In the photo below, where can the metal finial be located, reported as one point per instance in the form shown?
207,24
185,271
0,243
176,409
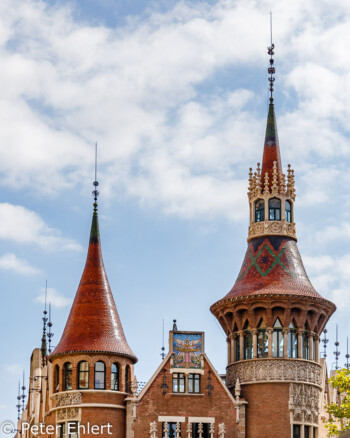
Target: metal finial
50,334
271,70
347,353
163,347
95,183
18,405
174,326
325,342
43,339
23,396
336,352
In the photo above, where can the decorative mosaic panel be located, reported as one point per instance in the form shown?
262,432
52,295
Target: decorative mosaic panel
187,350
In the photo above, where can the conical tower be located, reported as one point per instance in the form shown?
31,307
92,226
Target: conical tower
92,365
273,316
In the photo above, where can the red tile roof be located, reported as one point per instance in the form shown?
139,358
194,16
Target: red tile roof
93,324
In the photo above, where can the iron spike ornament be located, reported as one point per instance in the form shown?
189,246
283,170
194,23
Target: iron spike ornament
336,352
347,356
271,70
43,339
325,342
50,334
18,405
95,192
23,396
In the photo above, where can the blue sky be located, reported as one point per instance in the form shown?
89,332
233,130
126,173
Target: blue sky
176,95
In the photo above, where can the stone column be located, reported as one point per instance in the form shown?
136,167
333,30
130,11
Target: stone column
241,345
233,350
300,344
255,344
228,340
317,347
285,342
269,340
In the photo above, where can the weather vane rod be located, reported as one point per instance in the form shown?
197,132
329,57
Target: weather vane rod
271,70
95,183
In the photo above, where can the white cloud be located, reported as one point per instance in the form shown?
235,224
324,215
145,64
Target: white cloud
53,297
145,91
11,262
25,226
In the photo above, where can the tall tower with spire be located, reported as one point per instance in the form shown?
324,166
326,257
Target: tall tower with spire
273,317
92,365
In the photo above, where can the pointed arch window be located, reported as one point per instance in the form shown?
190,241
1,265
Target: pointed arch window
57,379
288,211
100,375
292,341
259,210
262,340
115,377
274,209
237,348
67,376
127,378
277,339
83,375
305,339
248,342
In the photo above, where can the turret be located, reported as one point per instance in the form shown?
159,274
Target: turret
273,316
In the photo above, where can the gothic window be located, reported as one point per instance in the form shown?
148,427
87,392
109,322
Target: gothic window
169,430
259,210
288,211
307,432
296,430
305,345
179,382
67,376
196,427
127,379
248,342
194,383
237,348
83,375
57,378
262,340
313,349
100,375
72,429
292,341
115,377
62,427
274,209
277,339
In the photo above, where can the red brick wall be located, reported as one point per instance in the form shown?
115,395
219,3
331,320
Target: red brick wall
267,414
154,403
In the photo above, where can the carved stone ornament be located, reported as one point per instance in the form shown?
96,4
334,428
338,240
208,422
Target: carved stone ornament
270,228
68,399
304,402
265,370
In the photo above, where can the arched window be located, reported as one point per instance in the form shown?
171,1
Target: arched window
277,339
67,376
262,340
292,341
100,375
115,377
237,348
259,210
274,209
83,375
288,211
57,379
248,342
127,377
305,345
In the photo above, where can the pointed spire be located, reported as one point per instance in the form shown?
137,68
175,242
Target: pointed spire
93,324
271,145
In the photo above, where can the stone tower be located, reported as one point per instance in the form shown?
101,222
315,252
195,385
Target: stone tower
92,365
273,317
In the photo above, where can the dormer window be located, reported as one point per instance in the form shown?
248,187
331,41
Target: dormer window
274,209
288,211
259,210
